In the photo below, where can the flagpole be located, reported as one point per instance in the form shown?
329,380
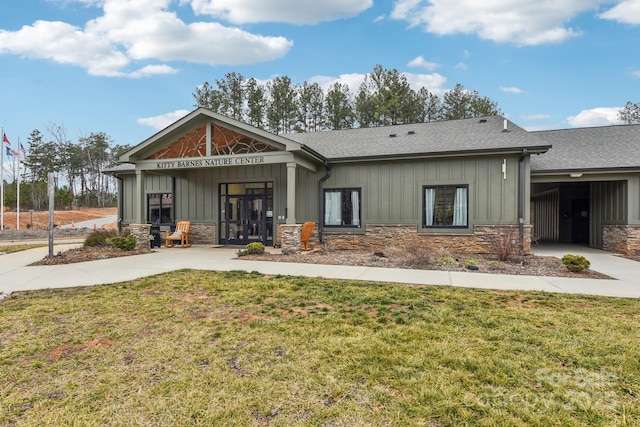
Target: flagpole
2,183
18,187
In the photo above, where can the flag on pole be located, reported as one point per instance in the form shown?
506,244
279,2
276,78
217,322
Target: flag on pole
6,140
24,152
9,151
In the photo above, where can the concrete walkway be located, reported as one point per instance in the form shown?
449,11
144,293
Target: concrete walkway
16,276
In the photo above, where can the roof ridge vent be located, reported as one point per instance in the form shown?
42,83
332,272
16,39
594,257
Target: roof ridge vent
482,121
392,135
411,132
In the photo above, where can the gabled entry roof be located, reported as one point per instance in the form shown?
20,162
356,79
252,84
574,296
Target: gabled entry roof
193,123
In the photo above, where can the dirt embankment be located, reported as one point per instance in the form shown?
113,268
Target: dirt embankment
35,226
40,219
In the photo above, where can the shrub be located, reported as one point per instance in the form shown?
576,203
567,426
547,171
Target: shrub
575,263
471,261
254,248
503,245
447,260
99,238
124,243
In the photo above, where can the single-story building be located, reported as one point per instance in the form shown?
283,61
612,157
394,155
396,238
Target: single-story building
466,185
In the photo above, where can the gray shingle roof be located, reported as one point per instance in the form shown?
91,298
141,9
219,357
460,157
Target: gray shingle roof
433,138
595,148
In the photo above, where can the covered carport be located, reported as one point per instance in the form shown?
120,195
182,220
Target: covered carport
586,188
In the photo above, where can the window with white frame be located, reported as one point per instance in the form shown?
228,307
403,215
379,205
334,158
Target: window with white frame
446,206
342,207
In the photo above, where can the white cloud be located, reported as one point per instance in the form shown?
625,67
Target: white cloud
535,116
635,73
419,61
289,11
147,31
379,18
352,80
511,89
432,82
596,117
627,12
162,121
461,66
151,70
65,44
523,22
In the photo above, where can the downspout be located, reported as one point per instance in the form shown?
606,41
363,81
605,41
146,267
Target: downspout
120,202
321,199
521,193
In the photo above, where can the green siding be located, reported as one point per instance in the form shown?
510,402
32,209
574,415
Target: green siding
392,190
609,206
307,195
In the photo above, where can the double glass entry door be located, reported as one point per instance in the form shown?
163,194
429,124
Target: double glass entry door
246,218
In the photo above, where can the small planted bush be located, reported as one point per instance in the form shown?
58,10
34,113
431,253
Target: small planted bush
575,263
447,260
99,238
254,248
124,243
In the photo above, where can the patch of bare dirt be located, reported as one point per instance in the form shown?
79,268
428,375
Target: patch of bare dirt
88,254
529,265
40,219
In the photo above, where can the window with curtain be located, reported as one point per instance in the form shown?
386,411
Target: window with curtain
160,208
342,207
446,206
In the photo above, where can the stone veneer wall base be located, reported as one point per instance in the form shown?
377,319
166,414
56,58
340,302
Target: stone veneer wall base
621,239
486,239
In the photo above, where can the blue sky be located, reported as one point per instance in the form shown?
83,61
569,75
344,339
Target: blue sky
129,67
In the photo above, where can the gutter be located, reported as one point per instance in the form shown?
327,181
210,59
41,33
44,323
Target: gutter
120,202
321,199
438,154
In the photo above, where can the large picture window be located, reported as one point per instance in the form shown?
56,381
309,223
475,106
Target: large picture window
160,208
342,207
446,206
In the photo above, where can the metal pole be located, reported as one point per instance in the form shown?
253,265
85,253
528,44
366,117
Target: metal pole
18,189
2,180
50,188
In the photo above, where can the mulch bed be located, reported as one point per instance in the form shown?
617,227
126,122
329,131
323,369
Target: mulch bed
529,265
88,254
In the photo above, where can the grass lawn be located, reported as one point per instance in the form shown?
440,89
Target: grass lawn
195,348
8,249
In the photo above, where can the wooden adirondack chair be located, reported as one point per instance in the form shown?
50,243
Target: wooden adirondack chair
305,235
180,234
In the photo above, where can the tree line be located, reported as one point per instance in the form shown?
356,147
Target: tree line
279,106
77,169
384,98
630,113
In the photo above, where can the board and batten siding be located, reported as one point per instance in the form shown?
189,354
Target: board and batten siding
128,198
608,206
196,193
392,190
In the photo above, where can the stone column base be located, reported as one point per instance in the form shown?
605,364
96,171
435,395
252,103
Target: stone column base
142,232
621,239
